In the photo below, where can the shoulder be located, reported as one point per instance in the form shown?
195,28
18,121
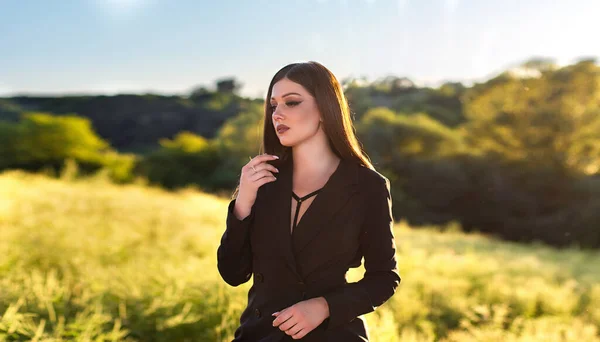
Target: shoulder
370,177
372,182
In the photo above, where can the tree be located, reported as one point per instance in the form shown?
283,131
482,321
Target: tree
550,121
542,133
540,64
389,135
48,138
199,93
43,140
412,150
187,142
186,159
240,136
228,85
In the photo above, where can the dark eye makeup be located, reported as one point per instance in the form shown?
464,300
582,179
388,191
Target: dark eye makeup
289,104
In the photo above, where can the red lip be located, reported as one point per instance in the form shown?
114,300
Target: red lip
282,128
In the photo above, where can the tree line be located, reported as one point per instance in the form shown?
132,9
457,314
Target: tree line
517,156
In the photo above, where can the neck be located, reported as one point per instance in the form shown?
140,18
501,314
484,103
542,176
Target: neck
313,158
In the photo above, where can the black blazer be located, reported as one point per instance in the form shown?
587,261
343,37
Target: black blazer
349,218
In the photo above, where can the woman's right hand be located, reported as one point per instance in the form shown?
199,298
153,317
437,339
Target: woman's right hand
254,174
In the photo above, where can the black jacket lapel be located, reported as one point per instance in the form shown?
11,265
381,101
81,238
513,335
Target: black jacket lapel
333,196
336,192
280,206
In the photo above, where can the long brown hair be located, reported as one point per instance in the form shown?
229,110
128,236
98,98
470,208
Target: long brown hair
332,104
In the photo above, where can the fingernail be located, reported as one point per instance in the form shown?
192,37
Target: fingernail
276,169
276,157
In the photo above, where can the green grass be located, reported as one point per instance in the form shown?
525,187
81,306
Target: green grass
92,261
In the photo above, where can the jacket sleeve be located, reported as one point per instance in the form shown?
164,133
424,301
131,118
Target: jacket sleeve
381,277
234,255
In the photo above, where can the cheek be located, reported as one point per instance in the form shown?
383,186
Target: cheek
309,115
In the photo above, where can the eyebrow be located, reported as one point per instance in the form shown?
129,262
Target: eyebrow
288,94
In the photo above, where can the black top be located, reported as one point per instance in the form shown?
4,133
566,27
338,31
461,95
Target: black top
300,200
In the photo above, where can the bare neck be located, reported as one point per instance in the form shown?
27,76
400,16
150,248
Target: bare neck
313,163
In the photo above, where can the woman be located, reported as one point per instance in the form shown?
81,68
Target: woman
306,211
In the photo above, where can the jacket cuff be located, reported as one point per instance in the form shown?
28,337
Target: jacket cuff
342,308
336,311
237,230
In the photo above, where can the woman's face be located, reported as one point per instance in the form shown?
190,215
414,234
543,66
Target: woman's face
295,108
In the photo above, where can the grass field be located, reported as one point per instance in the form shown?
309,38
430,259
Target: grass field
91,261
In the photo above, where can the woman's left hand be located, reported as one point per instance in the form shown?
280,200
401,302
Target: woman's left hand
302,317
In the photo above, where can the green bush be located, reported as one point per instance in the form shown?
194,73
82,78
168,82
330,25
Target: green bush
43,141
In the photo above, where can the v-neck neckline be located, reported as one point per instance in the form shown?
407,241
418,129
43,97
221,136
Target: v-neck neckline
299,201
336,193
292,218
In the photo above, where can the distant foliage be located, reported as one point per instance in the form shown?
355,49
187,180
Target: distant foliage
402,95
42,140
136,123
9,111
516,156
551,120
228,85
187,159
210,164
524,165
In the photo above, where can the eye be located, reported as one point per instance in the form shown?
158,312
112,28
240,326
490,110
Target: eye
292,103
288,104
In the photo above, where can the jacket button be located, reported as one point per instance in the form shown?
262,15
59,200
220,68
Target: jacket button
259,277
257,312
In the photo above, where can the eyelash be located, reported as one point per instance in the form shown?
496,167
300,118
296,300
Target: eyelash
289,104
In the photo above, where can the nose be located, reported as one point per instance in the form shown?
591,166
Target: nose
277,114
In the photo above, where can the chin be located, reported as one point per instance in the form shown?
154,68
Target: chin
286,143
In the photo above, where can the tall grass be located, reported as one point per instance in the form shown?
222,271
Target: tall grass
92,261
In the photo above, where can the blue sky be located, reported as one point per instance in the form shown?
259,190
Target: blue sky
170,46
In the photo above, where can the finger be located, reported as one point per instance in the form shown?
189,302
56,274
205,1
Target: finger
282,317
280,320
261,174
265,180
287,325
300,334
294,329
266,166
261,159
281,311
